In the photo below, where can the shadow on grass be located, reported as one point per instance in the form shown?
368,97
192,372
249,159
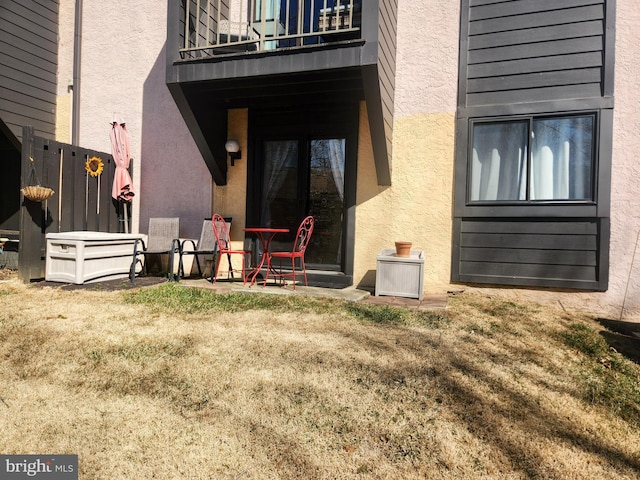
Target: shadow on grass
484,402
624,337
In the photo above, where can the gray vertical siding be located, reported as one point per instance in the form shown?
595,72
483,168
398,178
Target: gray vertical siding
28,65
79,202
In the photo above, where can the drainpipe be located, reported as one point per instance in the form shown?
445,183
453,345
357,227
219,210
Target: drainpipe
77,45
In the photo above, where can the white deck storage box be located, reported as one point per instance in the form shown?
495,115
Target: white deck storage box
400,276
84,257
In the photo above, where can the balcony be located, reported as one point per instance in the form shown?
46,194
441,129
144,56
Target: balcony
228,54
223,27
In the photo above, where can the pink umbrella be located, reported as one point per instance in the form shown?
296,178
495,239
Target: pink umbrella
122,183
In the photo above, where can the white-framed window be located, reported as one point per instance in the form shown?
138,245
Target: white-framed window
538,158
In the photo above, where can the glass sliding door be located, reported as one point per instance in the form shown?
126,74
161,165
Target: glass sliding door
326,200
303,177
280,184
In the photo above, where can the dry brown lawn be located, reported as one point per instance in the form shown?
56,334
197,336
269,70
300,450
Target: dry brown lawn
150,383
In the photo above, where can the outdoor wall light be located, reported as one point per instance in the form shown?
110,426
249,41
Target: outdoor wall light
233,149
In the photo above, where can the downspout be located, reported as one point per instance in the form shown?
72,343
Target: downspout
77,47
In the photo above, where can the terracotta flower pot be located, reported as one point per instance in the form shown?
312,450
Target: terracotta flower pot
403,249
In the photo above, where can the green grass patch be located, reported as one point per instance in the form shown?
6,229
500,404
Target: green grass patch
505,310
610,379
173,298
392,315
382,314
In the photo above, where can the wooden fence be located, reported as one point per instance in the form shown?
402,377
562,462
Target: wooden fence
81,202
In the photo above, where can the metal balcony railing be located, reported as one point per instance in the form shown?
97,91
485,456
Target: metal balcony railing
219,27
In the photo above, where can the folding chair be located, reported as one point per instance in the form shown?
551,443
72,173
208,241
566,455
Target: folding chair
163,238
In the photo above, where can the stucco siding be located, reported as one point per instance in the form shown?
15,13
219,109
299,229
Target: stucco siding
230,200
64,94
624,274
427,57
417,208
123,74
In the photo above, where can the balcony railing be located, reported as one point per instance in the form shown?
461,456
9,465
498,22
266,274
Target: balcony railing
221,27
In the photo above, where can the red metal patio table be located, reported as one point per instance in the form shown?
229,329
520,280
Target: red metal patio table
265,235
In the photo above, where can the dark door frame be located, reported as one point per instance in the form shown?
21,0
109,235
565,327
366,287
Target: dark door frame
306,122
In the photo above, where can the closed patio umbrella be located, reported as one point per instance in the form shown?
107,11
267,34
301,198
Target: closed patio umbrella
122,190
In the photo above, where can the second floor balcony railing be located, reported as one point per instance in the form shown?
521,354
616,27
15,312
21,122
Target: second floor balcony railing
221,27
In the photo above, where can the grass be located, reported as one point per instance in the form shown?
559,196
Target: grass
171,298
171,382
609,378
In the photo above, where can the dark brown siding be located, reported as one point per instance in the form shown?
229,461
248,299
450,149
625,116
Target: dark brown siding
28,65
379,84
524,57
387,65
523,51
553,253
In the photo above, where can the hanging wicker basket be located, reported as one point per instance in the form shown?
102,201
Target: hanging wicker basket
37,193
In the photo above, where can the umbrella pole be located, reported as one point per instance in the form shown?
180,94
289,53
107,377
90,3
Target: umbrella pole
126,217
98,200
86,197
60,191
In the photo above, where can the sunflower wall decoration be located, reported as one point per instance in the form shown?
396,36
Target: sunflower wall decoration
94,166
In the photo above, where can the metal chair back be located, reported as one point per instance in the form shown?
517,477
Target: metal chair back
220,229
303,235
221,232
162,238
207,241
162,232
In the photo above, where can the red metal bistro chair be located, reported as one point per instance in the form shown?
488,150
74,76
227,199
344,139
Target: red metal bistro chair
221,231
297,252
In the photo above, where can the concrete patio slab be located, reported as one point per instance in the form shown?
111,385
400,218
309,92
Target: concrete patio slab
350,293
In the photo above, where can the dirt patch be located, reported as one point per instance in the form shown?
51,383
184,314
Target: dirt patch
107,285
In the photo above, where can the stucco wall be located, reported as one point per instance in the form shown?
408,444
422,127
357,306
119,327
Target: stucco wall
64,89
123,74
230,200
417,207
624,285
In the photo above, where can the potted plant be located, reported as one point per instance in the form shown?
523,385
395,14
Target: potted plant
403,249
